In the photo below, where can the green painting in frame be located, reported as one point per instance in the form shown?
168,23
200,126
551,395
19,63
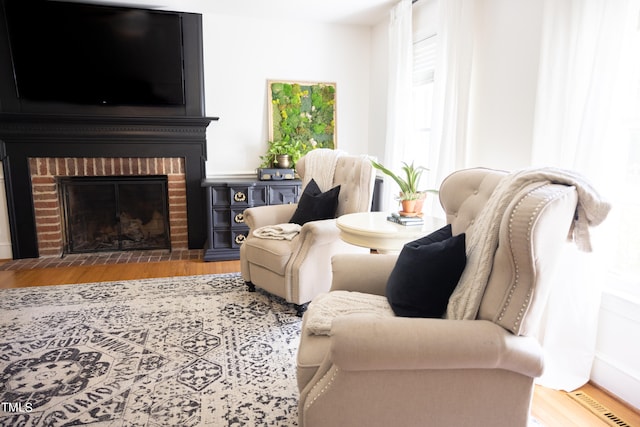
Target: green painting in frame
303,112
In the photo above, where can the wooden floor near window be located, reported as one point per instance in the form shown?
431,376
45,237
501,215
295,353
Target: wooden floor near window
550,407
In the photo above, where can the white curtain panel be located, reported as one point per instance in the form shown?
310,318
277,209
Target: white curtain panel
452,80
581,67
399,114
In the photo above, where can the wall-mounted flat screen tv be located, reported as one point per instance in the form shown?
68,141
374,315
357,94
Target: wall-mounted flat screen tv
92,54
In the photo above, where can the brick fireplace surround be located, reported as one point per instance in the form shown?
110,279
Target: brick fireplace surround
36,148
46,199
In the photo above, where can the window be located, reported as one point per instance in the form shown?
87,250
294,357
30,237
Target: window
623,174
625,263
420,145
424,55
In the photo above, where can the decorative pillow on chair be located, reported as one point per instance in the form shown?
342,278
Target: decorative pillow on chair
426,273
315,205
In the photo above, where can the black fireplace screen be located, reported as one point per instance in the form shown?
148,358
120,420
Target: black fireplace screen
115,213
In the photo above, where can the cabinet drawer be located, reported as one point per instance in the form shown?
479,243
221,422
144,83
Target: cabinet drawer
258,196
283,194
221,218
225,218
229,239
238,237
236,218
239,195
221,239
220,195
243,195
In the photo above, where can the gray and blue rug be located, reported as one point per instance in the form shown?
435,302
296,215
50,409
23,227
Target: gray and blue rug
182,351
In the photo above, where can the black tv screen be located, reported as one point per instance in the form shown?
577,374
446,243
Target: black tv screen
95,55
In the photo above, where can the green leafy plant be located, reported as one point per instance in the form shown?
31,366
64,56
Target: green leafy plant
409,184
294,149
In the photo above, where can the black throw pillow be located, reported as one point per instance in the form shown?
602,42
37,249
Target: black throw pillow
315,205
426,273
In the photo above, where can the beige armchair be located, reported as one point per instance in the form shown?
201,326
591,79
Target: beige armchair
374,370
299,269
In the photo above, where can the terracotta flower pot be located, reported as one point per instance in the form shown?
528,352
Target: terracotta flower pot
409,206
420,202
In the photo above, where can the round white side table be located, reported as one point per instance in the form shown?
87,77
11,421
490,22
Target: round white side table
373,230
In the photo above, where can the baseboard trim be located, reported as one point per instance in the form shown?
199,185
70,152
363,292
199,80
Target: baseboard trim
616,381
5,251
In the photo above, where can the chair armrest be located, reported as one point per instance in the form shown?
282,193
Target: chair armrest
319,232
366,273
261,216
361,342
310,261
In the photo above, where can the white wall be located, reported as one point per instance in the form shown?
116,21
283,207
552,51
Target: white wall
242,54
616,366
505,72
5,235
378,88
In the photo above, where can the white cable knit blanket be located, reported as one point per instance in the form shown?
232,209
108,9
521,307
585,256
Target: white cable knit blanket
286,231
481,245
320,164
325,307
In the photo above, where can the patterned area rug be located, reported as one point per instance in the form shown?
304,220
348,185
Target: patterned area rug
183,351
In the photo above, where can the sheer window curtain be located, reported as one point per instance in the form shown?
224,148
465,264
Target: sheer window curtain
452,81
579,97
399,114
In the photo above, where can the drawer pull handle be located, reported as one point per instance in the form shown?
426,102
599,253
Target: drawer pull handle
240,238
239,218
239,196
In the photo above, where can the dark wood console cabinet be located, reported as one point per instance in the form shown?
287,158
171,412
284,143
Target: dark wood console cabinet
226,200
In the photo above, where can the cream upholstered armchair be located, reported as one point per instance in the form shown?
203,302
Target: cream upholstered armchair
378,369
300,268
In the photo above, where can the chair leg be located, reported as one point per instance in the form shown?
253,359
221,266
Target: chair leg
250,286
301,308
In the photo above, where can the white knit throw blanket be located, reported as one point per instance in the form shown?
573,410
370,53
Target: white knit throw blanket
327,306
286,231
482,244
320,164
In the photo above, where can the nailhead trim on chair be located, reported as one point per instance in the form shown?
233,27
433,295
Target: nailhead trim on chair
517,268
515,284
324,389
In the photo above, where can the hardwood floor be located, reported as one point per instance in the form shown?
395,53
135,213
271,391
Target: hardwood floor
551,407
110,272
555,408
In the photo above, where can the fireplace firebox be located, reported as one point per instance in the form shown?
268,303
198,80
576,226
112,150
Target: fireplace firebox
114,213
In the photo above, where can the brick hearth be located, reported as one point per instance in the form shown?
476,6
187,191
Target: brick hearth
48,214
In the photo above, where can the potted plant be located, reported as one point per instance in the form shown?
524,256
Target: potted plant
282,154
410,197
